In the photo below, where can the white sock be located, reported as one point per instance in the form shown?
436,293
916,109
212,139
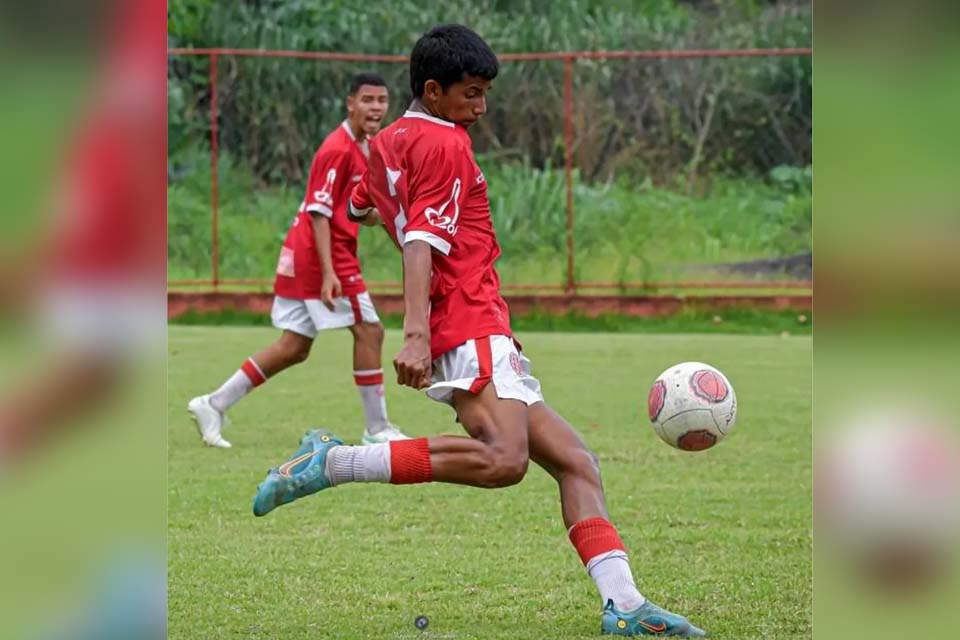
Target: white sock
611,572
372,398
236,386
370,463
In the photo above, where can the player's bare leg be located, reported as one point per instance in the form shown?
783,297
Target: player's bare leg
495,455
209,410
368,376
289,349
80,383
556,447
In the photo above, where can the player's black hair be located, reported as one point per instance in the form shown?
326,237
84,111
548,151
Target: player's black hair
446,53
360,79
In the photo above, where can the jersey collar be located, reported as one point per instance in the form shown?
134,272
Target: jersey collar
427,116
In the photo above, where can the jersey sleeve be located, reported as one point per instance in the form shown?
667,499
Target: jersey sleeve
328,184
437,195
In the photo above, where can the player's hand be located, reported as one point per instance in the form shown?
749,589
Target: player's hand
412,364
329,290
372,219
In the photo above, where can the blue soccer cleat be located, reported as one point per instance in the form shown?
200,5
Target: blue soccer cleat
303,474
648,620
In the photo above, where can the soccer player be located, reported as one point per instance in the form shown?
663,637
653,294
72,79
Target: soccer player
423,181
318,282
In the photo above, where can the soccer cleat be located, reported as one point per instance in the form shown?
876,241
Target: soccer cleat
647,620
303,474
209,421
390,433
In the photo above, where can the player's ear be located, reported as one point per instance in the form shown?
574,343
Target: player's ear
432,90
350,102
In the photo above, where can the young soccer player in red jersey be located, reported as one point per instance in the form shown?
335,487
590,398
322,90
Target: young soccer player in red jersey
318,283
424,184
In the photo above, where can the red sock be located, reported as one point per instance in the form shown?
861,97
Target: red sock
594,536
253,372
410,461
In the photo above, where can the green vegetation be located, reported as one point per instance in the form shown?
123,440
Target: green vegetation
660,119
623,233
752,321
722,536
680,164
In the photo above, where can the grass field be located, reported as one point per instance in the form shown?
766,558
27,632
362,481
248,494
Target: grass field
722,536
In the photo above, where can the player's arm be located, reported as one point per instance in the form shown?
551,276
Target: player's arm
331,287
436,196
413,364
326,185
361,208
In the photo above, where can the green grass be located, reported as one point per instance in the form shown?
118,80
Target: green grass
722,536
734,320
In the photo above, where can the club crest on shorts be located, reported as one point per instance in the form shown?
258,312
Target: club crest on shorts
515,363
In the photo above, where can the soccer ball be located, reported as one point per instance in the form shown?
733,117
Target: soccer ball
692,406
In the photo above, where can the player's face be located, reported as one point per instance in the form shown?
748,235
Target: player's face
367,108
464,102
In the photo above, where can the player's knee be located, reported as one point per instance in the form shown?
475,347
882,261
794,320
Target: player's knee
376,332
584,464
369,332
508,469
298,351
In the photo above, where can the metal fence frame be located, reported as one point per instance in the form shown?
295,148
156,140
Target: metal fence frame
568,58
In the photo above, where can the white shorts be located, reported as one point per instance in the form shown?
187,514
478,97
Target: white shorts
113,320
475,363
307,317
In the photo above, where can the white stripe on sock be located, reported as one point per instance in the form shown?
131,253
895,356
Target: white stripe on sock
257,367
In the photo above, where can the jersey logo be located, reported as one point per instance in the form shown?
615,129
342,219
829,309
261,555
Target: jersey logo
480,178
438,218
323,196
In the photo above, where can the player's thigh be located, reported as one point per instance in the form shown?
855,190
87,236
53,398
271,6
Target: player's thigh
498,422
555,445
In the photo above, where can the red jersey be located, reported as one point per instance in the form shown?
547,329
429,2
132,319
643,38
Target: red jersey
336,168
423,180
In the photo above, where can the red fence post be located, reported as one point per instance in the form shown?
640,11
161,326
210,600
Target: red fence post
214,175
568,162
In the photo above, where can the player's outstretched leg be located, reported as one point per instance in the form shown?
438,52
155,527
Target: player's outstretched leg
556,447
495,456
368,376
209,410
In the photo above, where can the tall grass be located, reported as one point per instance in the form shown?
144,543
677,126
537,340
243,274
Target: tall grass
624,231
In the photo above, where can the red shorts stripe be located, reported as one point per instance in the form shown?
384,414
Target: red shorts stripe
250,368
363,381
594,536
485,362
355,305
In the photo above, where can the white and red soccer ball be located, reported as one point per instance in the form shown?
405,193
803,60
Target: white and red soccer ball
692,406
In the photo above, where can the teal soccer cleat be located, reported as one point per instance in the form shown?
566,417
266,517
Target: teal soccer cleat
304,473
648,620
